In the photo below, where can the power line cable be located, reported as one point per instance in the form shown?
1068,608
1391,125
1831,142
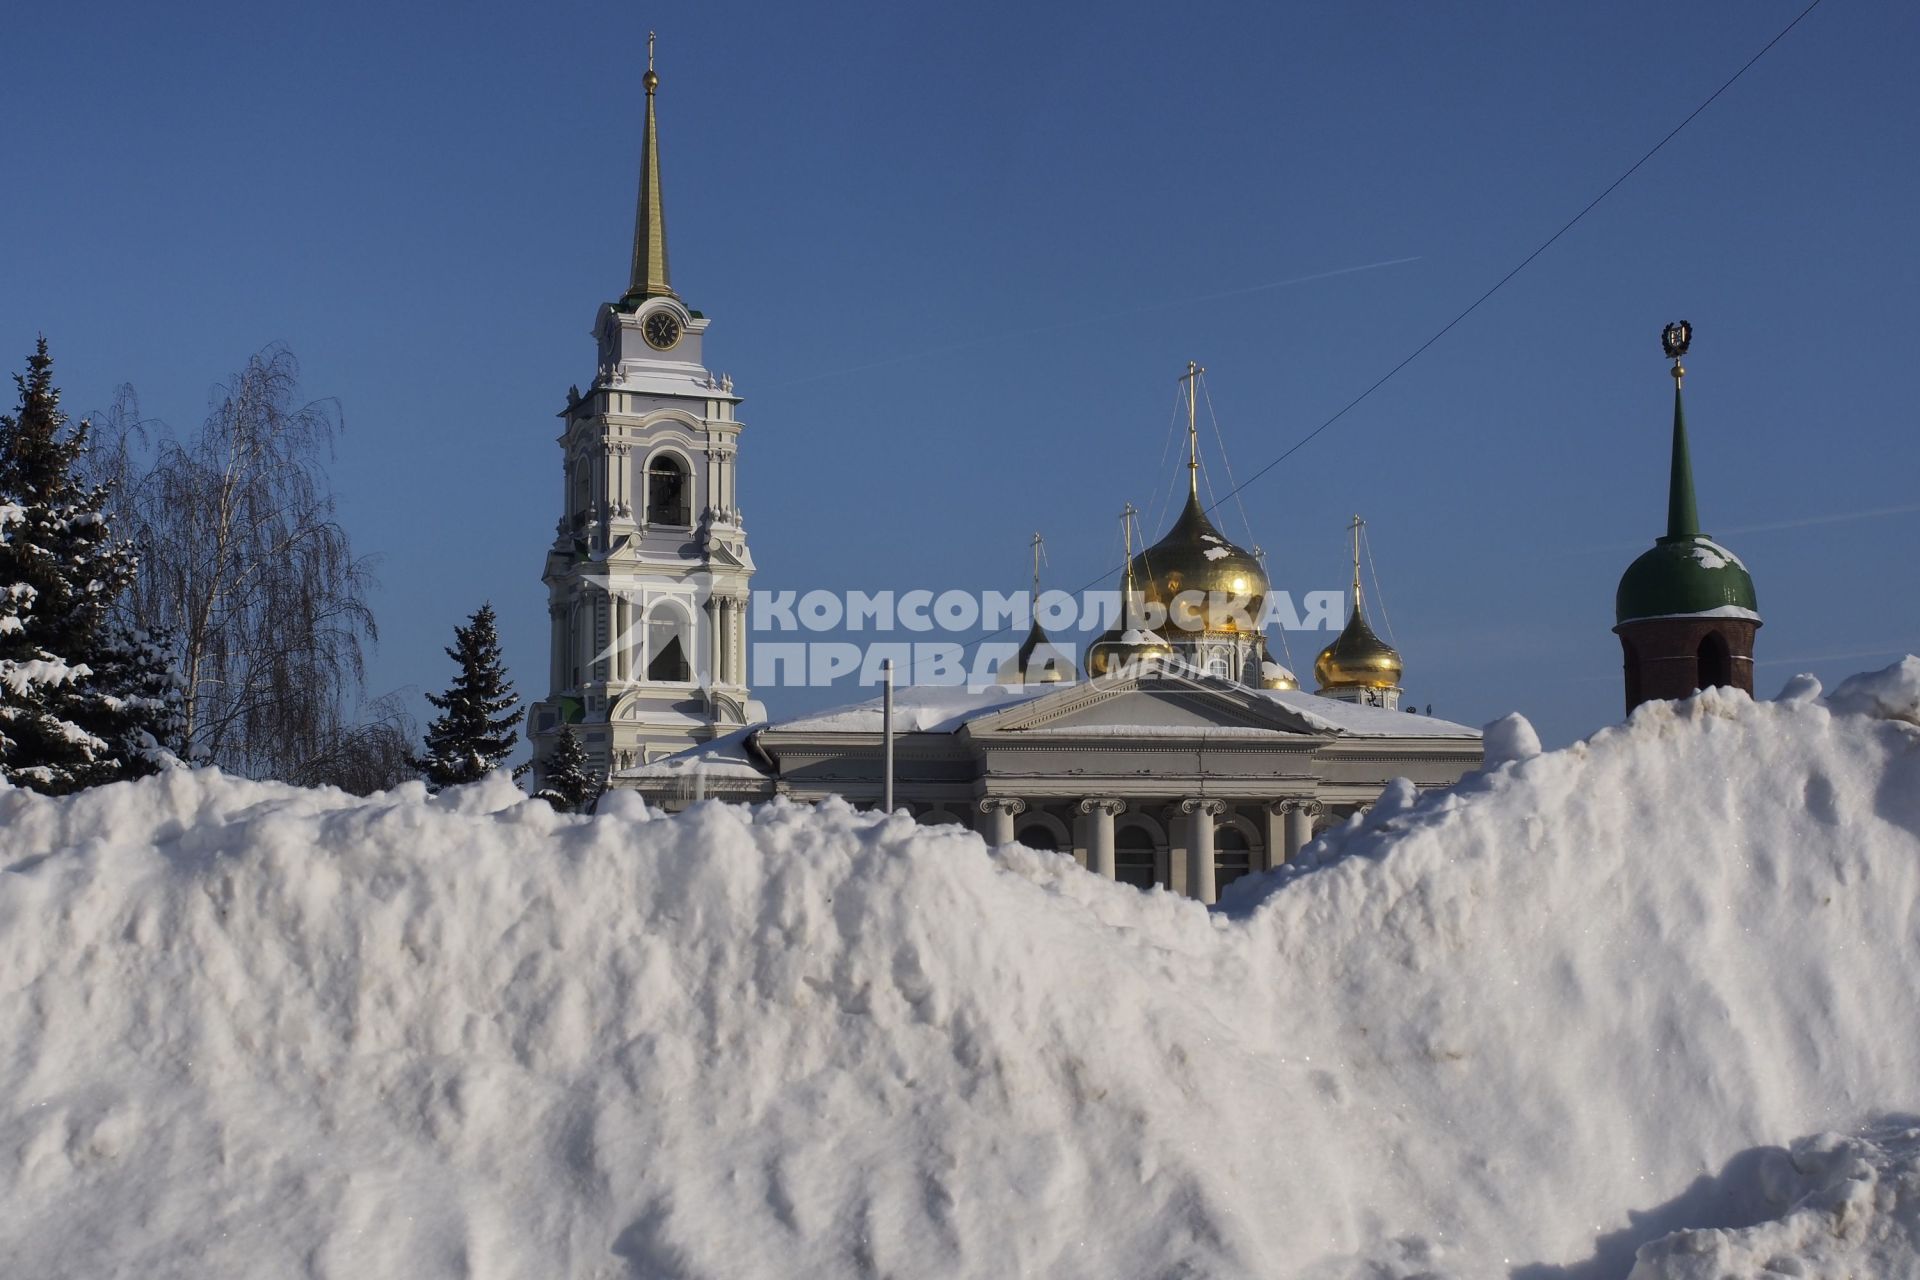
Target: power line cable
1497,285
1544,245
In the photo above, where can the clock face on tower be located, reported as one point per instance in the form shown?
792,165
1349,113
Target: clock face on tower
662,330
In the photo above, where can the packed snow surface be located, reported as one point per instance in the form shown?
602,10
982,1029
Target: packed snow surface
1653,994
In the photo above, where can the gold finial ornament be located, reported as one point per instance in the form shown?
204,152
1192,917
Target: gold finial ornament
1357,658
1674,340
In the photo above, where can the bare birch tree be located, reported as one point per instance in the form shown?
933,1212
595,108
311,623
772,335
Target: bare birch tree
244,565
375,754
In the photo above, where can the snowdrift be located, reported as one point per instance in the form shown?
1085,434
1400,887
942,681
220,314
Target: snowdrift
1523,1028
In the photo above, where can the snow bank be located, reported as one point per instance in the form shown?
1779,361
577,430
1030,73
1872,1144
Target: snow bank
1855,1214
1524,1028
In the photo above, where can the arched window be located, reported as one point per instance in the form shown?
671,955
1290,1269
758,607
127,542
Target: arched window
1133,857
669,642
581,497
1038,836
667,491
1714,662
1232,855
1631,656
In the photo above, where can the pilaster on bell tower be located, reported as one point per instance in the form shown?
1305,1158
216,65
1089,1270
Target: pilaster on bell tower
647,575
1685,611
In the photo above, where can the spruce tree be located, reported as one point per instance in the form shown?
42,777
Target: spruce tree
82,700
474,731
568,783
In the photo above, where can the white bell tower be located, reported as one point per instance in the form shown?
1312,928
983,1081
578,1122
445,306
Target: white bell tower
647,575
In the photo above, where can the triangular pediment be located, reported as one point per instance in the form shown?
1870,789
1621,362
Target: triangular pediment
1161,703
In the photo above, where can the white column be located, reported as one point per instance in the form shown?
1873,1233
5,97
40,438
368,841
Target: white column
602,634
1299,817
616,611
1100,813
603,491
715,606
1200,815
736,619
998,812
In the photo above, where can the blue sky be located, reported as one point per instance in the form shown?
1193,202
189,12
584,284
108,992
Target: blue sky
956,258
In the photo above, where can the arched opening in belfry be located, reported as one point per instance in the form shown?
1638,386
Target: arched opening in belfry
1713,662
667,491
669,640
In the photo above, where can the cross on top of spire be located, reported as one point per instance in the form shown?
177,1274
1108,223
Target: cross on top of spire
1192,378
1356,525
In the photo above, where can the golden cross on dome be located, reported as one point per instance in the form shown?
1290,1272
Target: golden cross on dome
1356,525
1192,378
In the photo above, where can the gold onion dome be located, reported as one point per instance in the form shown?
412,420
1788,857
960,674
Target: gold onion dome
1358,659
1230,585
1275,676
1122,648
1040,661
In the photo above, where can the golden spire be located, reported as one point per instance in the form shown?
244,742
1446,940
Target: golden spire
1126,534
1192,378
1039,554
650,276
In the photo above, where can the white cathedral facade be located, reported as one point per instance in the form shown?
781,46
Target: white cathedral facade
1182,757
647,577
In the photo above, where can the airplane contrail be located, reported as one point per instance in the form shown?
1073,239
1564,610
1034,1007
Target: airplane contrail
1096,319
1896,650
1838,517
1801,522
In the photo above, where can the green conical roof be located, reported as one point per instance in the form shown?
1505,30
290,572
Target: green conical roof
1686,572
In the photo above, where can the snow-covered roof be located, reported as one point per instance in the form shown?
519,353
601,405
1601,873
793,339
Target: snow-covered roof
919,709
1721,611
1365,722
724,757
945,708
